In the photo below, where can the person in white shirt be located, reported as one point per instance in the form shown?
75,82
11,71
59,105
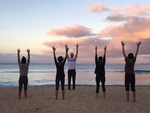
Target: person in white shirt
72,67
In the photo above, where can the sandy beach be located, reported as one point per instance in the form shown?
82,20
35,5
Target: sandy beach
81,100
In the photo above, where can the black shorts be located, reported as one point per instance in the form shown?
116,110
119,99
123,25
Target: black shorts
100,78
130,79
62,83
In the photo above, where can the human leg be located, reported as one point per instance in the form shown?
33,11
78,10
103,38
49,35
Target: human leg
97,88
133,87
74,78
69,79
20,87
25,86
104,90
127,86
57,87
62,87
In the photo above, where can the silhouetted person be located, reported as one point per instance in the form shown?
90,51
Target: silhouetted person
60,75
72,67
100,71
129,71
23,68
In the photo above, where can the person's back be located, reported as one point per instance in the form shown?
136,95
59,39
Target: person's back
23,68
60,75
60,68
100,66
129,66
129,71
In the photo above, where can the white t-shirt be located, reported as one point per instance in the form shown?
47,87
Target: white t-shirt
71,63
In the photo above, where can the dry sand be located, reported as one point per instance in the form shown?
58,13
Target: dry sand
81,100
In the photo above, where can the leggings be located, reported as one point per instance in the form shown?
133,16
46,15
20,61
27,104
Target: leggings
130,78
97,86
62,83
23,80
71,73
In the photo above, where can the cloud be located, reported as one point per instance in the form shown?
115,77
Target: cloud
134,29
74,31
100,8
86,45
136,10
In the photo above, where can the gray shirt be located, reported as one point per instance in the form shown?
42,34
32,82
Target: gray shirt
23,68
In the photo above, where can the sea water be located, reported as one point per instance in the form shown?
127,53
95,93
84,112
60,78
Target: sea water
41,75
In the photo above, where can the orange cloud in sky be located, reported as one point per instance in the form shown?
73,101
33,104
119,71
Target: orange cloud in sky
100,8
130,10
134,30
74,31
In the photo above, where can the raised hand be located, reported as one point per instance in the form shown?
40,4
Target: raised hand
95,47
66,47
18,50
105,48
54,48
77,45
123,43
139,43
28,50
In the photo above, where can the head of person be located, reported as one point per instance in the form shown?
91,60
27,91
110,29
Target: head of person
23,60
60,59
71,55
130,56
100,59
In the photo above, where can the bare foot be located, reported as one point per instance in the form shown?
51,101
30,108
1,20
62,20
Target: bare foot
25,95
19,95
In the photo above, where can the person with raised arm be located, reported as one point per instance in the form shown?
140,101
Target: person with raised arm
72,67
23,68
100,71
129,71
60,74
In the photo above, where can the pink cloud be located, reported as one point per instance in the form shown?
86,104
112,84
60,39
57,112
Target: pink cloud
100,8
135,30
135,9
74,31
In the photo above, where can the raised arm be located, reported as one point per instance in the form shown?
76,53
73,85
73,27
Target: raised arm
122,43
77,46
96,55
105,50
67,49
138,45
28,50
54,51
18,55
66,46
96,50
104,58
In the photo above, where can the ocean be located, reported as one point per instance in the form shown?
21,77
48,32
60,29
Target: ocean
41,75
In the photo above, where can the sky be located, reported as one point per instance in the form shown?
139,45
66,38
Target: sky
41,24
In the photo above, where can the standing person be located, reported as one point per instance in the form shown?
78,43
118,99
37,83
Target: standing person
72,67
100,71
23,67
129,71
60,75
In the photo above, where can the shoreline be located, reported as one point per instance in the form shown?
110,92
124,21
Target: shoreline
78,85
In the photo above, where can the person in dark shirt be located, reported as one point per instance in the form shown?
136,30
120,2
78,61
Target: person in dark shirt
100,71
60,75
129,71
